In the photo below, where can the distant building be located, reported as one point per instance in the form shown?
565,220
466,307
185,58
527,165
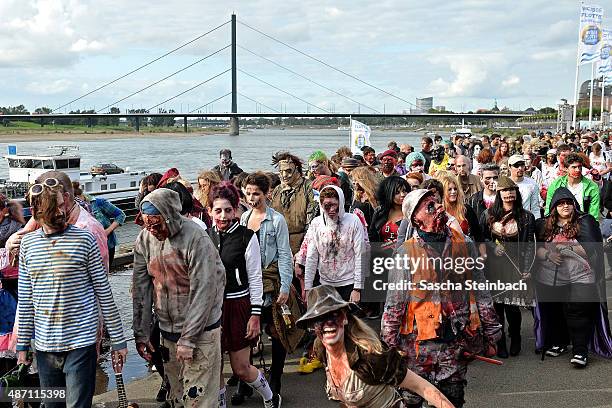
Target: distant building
423,105
440,108
584,95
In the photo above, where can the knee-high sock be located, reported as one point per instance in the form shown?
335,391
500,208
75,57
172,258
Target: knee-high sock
262,387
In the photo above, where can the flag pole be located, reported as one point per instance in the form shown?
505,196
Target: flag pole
577,72
603,90
591,98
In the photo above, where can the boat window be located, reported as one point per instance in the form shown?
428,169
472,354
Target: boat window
132,184
74,163
14,163
104,187
37,164
25,163
113,186
87,186
61,163
48,164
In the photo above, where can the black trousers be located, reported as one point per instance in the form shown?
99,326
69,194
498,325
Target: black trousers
566,320
453,390
513,315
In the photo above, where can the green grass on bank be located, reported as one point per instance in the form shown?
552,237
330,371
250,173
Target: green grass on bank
25,127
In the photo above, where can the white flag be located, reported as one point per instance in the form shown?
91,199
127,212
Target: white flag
605,54
360,136
590,34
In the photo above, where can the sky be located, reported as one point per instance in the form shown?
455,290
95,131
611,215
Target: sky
464,53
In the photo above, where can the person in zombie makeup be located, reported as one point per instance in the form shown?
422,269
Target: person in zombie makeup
178,270
437,330
388,161
584,190
226,168
293,198
439,160
361,371
240,253
318,165
415,163
469,183
276,262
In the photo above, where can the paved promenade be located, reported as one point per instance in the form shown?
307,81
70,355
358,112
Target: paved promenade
523,381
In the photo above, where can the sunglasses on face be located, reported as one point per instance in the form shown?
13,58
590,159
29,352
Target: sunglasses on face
38,188
154,224
517,165
565,204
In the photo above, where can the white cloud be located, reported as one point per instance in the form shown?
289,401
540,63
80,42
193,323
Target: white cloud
82,45
48,88
511,81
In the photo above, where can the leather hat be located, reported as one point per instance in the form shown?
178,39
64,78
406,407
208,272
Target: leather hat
322,300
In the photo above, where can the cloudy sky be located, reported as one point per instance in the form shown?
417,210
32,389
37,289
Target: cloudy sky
463,53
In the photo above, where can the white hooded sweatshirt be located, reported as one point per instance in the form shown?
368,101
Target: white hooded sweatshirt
336,249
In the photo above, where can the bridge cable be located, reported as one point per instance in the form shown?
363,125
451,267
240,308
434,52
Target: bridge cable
327,65
306,78
190,89
283,91
253,100
142,66
213,101
163,79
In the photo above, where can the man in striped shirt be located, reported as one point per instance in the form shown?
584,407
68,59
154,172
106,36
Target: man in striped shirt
62,280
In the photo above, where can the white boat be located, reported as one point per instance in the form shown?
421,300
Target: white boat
25,169
464,131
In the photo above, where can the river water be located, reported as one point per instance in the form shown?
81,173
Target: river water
252,150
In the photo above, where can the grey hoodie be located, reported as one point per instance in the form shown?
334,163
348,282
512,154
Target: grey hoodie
182,276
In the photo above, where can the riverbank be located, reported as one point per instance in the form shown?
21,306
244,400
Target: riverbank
28,136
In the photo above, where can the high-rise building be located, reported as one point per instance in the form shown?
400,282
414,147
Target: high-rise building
423,105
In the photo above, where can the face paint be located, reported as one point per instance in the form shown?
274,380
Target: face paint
287,172
331,207
452,193
254,196
430,215
388,164
476,151
316,168
157,226
329,328
222,213
417,166
575,170
226,160
508,195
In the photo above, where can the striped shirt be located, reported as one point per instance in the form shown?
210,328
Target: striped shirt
61,282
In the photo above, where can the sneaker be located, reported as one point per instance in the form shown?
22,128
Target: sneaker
162,394
556,351
579,360
309,366
277,401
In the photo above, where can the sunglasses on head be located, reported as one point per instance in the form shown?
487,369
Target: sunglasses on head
38,188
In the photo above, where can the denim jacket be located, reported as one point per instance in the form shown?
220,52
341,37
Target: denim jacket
106,212
274,244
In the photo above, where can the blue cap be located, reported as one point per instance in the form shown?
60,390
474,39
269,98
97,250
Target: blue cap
148,208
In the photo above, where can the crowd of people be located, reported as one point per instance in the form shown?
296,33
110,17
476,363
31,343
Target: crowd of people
288,255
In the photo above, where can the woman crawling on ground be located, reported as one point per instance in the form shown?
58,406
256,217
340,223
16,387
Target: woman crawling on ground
361,371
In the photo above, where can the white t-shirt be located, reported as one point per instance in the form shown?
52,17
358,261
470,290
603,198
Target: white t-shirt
599,162
530,193
577,192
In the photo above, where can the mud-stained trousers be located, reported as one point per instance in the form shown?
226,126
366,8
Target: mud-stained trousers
195,385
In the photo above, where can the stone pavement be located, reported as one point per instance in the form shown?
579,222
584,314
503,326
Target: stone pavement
523,381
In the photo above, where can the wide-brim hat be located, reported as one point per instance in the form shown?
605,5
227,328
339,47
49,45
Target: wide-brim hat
350,163
322,300
412,200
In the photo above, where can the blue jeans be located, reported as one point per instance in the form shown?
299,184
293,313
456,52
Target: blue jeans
75,370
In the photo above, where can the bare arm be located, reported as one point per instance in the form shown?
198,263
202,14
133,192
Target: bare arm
419,385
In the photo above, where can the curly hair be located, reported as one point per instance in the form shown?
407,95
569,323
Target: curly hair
213,179
283,156
224,191
551,227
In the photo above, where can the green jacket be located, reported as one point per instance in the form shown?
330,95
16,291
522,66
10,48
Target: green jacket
590,195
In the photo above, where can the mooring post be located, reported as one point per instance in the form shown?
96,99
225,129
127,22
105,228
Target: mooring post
137,121
234,130
185,123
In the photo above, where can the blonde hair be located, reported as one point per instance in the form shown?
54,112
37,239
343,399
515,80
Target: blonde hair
358,333
213,179
456,209
366,179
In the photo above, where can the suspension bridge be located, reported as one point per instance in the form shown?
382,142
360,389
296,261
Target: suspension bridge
364,110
